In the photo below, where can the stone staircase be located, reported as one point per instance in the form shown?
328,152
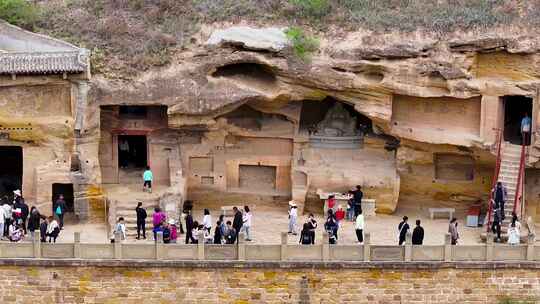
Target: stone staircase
126,209
508,175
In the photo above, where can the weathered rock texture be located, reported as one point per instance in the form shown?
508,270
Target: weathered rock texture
272,285
241,112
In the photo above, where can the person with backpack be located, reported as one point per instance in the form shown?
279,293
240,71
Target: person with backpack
525,129
305,235
500,195
403,227
120,227
141,221
60,209
157,219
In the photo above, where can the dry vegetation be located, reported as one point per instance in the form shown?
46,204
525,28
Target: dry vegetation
129,36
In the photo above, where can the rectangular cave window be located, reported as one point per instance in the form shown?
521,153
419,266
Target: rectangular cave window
11,169
67,191
133,112
454,167
257,177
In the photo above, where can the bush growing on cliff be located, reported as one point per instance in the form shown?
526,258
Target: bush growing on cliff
303,45
19,12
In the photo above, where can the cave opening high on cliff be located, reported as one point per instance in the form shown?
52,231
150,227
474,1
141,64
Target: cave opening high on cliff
11,170
515,108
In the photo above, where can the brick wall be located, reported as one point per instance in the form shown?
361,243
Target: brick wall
39,282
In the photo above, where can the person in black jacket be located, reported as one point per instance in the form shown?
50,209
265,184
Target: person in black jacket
20,204
403,227
357,199
238,221
34,220
189,226
418,234
43,230
141,221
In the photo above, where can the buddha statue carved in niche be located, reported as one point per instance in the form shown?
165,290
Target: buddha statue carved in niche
337,122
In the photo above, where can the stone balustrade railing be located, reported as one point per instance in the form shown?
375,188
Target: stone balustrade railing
280,252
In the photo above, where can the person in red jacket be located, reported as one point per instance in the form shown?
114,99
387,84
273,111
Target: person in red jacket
340,214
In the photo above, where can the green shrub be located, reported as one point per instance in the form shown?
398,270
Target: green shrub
508,300
18,12
313,9
303,45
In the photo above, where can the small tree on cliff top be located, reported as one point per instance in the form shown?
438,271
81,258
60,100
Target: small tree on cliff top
303,45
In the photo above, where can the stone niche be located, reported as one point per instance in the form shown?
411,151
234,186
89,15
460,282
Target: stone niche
257,177
437,120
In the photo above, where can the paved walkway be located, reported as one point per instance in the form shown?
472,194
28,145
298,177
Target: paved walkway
271,219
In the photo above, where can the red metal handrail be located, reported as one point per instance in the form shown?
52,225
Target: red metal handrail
520,177
495,178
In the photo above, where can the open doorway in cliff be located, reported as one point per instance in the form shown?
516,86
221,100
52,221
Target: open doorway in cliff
515,108
11,170
132,156
333,123
65,190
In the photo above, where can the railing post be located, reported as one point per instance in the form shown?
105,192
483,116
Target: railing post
36,243
77,245
447,247
489,246
531,239
241,247
284,239
117,245
325,254
159,245
367,247
408,246
200,245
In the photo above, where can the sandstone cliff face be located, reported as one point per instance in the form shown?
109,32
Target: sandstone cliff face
432,106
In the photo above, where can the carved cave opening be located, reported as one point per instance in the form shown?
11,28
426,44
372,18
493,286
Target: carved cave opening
345,117
11,170
132,152
67,191
246,71
515,108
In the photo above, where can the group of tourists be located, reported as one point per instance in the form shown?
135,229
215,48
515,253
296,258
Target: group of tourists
17,220
499,196
225,231
334,217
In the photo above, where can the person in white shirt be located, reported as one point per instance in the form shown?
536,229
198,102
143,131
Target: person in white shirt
246,218
293,215
514,231
207,220
53,229
7,217
120,228
359,227
2,221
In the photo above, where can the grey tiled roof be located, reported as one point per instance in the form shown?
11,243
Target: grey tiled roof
44,62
